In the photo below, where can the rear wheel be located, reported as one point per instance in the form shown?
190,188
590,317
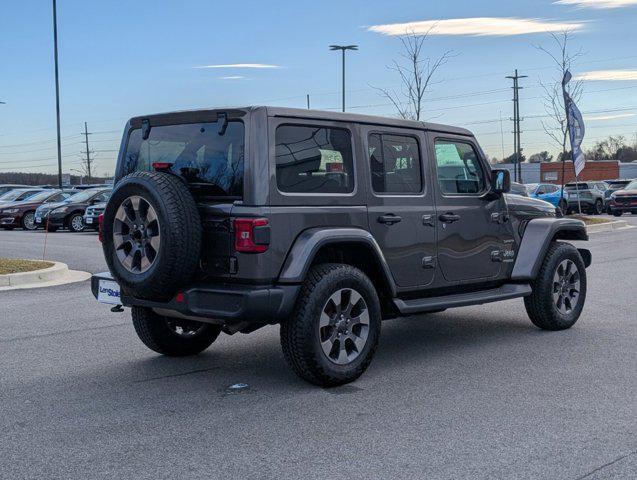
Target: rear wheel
76,223
333,334
617,213
28,221
173,337
559,291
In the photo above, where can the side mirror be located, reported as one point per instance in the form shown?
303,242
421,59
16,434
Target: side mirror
500,181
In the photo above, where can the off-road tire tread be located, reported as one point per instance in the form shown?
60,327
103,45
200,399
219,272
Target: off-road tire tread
539,305
297,331
153,332
185,239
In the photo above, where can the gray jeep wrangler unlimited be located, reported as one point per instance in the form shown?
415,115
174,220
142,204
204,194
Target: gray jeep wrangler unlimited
326,223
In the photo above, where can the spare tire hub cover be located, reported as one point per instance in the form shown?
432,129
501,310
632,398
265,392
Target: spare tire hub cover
136,235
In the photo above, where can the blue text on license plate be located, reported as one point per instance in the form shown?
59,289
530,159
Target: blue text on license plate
108,292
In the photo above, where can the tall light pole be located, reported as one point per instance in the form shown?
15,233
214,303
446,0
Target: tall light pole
342,48
57,91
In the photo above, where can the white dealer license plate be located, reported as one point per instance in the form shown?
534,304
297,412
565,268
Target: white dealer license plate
108,292
38,219
88,220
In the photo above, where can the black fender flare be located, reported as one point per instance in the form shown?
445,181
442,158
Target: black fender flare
538,235
309,242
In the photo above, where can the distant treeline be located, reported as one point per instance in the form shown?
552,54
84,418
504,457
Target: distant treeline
22,178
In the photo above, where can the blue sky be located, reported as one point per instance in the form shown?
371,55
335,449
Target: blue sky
119,59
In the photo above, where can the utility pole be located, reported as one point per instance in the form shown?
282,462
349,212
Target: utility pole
57,91
88,153
342,48
308,101
516,126
502,135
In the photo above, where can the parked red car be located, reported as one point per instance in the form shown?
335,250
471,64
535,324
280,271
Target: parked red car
22,213
624,200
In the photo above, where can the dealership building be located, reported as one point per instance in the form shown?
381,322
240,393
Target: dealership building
551,172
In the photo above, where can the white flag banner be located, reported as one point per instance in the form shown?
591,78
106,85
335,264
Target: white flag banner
576,128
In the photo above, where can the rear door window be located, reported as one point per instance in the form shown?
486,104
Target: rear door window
395,164
313,159
211,162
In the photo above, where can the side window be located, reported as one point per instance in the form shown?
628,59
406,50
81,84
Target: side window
552,189
541,190
459,169
313,159
395,164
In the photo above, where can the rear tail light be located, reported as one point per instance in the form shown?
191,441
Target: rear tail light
100,222
159,166
251,235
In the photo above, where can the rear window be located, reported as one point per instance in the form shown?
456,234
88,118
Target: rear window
196,152
313,159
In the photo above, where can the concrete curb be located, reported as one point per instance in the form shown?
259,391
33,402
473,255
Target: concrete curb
58,274
606,227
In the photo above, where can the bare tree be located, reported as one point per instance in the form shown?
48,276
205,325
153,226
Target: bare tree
416,74
556,127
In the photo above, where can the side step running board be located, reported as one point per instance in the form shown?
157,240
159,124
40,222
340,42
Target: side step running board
419,305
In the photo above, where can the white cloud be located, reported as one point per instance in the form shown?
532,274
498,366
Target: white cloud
239,65
232,77
608,75
476,27
599,4
610,117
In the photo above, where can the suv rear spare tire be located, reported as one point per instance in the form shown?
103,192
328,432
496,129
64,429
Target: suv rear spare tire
152,235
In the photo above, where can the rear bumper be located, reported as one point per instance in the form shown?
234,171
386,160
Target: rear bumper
220,304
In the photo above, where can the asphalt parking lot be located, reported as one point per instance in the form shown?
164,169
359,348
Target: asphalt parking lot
475,392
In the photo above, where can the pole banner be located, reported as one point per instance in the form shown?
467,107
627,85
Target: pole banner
576,129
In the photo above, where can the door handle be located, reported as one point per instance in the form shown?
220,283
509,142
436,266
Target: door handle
448,217
389,219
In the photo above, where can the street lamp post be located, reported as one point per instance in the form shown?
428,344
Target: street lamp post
342,48
57,91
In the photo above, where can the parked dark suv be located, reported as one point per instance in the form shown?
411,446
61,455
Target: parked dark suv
325,223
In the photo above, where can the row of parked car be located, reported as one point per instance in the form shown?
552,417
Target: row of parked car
76,209
614,197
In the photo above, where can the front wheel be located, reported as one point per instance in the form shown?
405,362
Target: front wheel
617,213
173,337
28,221
598,208
76,223
333,334
559,291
